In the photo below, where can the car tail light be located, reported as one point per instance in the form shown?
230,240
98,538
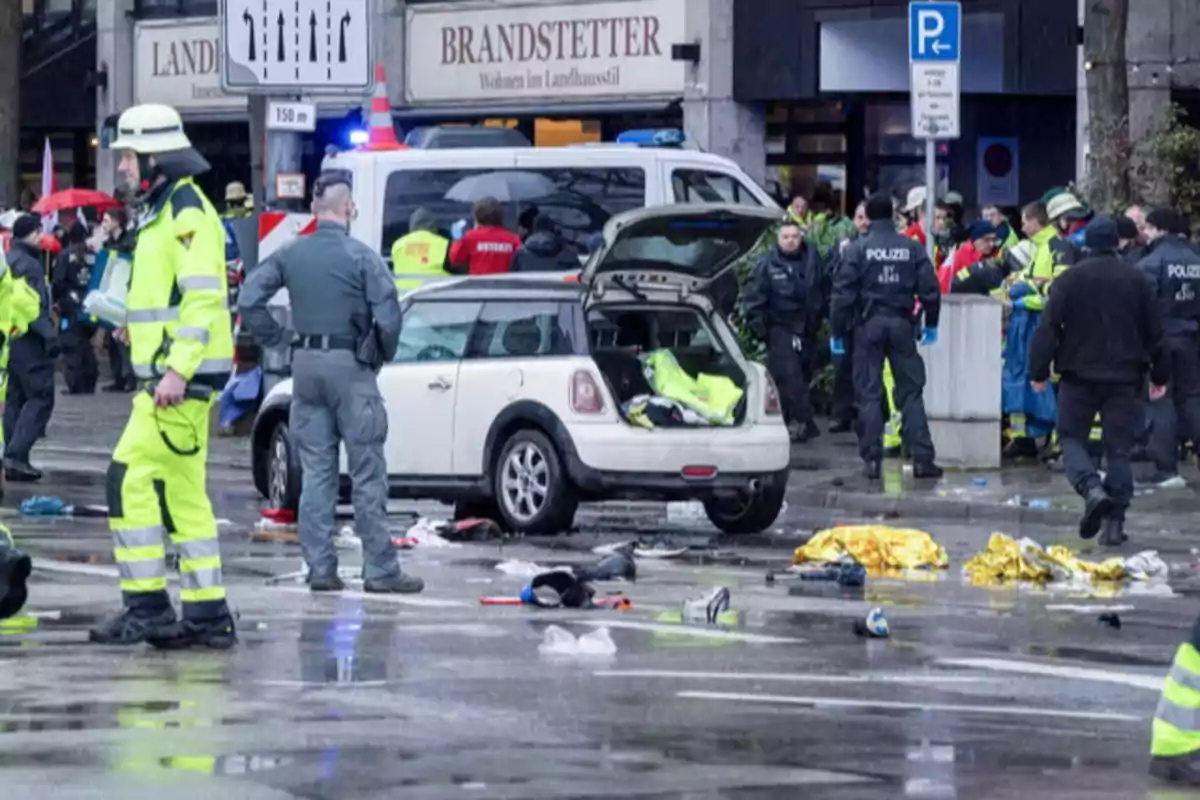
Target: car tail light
771,405
698,472
585,394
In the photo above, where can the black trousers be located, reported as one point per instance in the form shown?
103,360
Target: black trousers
118,361
842,401
892,338
1117,404
1180,408
30,400
80,370
789,370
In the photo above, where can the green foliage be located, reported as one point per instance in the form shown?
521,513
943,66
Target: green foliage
1172,158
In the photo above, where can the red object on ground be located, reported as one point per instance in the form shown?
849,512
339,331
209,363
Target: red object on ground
486,250
71,199
283,516
501,601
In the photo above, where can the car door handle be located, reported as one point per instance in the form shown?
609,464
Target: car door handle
441,384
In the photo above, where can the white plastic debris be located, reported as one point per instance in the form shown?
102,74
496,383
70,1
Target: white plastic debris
1146,566
521,569
425,534
347,539
561,642
707,607
264,525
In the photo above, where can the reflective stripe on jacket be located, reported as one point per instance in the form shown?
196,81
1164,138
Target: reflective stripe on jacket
178,308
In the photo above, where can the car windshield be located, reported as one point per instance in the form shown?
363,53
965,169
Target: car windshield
699,247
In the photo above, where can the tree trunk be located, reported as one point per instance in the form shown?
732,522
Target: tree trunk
10,102
1109,156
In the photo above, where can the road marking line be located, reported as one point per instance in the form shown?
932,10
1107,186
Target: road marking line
839,702
688,630
1086,609
1134,679
70,568
404,600
787,677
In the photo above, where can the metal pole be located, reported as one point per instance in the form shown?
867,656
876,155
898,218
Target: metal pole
930,193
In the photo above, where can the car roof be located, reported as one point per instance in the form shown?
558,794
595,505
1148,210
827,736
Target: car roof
515,287
491,157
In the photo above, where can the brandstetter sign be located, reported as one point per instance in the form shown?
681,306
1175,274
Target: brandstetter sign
527,51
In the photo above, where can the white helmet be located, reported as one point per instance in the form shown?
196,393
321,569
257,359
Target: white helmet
150,128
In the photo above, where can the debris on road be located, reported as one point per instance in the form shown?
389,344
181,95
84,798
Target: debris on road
873,626
1111,620
707,607
561,642
876,547
617,565
558,588
1006,560
46,506
658,547
845,572
521,569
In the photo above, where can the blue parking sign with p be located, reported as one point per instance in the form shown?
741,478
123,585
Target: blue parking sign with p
934,31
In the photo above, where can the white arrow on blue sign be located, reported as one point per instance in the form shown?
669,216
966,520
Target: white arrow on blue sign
934,31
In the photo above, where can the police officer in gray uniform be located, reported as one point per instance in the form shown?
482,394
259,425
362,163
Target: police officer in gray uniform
881,277
335,282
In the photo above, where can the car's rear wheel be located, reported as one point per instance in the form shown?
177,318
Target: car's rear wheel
283,470
753,512
532,489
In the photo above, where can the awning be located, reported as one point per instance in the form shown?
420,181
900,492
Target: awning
477,111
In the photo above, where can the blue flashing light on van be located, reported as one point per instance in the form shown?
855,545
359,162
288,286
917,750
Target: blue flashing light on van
652,137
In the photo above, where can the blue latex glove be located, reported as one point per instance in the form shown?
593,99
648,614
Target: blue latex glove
928,336
837,346
1019,289
458,229
1021,303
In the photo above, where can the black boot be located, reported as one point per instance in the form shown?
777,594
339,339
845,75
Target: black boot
871,470
144,615
1114,533
927,469
21,471
1098,506
15,567
1183,769
326,583
842,426
214,630
810,432
396,584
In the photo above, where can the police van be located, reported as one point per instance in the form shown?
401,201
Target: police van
579,187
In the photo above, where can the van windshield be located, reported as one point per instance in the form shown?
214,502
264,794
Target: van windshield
579,201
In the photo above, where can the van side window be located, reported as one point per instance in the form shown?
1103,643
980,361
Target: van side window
579,201
699,186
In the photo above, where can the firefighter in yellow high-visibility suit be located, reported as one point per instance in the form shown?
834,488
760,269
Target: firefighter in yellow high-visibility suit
181,348
15,566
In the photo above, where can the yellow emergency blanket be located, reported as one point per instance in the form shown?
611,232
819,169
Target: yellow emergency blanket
1007,559
877,547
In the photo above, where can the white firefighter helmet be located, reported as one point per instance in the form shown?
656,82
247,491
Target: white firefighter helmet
150,128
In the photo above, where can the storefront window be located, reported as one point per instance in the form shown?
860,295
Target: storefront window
889,132
582,202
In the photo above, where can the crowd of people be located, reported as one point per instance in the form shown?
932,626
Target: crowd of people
794,289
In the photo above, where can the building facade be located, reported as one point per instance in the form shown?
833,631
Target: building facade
58,87
832,76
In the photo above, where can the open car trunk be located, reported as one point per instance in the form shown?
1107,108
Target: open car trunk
666,365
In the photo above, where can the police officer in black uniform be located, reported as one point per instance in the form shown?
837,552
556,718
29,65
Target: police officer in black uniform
1101,330
780,302
1174,269
881,277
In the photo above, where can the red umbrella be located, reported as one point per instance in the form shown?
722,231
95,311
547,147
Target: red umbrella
71,199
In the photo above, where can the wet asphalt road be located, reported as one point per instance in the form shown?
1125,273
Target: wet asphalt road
980,693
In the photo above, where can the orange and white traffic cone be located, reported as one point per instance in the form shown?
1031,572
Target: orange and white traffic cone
381,131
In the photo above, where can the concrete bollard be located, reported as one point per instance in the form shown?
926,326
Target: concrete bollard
962,386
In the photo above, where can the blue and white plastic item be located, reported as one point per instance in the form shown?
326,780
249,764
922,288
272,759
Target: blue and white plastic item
877,624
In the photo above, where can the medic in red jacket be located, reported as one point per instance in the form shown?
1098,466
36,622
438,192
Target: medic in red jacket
486,249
